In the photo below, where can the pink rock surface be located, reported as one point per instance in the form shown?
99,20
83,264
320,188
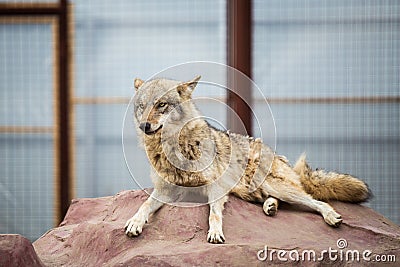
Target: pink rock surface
16,250
92,235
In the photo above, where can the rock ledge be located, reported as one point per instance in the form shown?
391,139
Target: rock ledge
92,235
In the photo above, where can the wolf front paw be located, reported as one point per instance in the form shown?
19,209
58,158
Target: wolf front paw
215,237
333,218
134,226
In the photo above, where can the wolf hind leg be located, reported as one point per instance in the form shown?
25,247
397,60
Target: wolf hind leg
270,206
294,194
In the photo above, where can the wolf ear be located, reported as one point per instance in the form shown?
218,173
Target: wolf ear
138,82
185,89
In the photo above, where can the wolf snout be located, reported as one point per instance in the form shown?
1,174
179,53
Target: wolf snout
145,127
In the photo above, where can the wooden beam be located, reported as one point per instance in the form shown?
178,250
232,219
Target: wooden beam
25,129
239,33
29,9
100,100
334,100
64,144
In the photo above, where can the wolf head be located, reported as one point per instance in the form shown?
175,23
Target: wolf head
159,101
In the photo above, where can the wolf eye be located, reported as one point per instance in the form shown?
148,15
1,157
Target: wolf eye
161,104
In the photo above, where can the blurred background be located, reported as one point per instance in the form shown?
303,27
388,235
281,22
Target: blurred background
329,69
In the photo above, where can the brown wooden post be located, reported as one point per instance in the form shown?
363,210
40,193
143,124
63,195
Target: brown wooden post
239,33
65,159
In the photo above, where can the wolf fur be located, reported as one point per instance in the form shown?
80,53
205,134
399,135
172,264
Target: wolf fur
186,152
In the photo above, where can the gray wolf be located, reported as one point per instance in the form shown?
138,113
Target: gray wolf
186,152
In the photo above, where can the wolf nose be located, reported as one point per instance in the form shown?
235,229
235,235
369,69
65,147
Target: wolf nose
145,127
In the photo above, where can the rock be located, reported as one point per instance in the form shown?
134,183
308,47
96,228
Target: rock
16,250
92,235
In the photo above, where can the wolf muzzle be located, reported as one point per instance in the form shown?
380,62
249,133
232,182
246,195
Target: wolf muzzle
146,128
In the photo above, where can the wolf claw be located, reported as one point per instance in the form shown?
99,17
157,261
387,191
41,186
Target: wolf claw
333,219
133,227
215,237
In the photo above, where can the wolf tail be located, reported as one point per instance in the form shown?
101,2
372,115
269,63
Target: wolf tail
331,185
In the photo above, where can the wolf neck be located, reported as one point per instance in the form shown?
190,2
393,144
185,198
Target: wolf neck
194,130
163,153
